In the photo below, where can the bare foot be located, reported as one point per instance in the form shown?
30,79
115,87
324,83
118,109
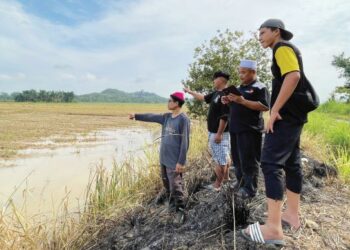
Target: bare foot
216,185
269,233
293,221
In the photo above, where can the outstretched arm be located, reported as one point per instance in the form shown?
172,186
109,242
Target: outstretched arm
158,118
196,95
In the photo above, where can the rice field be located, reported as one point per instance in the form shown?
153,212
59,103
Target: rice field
110,194
22,124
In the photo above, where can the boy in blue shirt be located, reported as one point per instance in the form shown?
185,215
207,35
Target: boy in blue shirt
173,150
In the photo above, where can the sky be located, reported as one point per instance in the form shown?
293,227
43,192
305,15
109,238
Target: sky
89,45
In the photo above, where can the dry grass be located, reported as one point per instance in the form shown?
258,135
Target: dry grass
315,147
109,194
22,124
325,221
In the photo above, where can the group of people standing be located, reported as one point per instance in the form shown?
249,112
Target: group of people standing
235,128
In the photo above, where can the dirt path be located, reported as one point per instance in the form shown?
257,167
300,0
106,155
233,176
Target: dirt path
209,224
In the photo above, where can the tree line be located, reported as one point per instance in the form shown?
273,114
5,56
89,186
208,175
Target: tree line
38,96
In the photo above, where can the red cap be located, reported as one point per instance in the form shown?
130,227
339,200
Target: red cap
179,95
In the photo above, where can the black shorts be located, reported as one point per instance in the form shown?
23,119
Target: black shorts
279,146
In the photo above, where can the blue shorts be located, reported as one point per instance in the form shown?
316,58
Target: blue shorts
220,151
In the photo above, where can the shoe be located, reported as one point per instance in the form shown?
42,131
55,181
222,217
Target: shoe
171,207
161,197
243,194
180,216
211,187
235,186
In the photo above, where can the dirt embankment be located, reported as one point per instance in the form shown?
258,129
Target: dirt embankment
210,221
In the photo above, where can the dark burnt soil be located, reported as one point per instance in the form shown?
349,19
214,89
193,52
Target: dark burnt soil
210,223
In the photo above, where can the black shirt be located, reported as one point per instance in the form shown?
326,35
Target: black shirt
292,111
243,118
217,111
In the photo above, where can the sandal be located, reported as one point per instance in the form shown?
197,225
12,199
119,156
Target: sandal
256,236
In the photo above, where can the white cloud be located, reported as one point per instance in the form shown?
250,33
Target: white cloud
148,44
18,76
67,76
90,77
77,78
5,77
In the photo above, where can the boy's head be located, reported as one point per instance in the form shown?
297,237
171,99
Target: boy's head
220,79
176,100
247,71
271,31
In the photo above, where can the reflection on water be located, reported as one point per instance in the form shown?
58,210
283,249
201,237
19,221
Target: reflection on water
44,176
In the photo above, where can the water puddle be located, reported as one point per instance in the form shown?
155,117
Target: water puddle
42,177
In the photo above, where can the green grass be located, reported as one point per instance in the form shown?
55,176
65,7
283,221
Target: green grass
336,109
328,133
341,157
336,133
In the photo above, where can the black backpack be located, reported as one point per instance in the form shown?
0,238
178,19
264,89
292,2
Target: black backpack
304,95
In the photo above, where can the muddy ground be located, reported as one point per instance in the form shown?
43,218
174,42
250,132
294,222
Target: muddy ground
210,222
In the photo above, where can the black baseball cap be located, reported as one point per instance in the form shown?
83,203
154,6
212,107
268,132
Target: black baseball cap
221,74
277,23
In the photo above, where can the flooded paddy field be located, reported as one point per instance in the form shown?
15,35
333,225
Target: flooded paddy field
42,176
50,151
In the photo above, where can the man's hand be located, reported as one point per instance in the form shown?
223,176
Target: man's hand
131,116
225,100
235,98
179,168
218,138
274,116
186,90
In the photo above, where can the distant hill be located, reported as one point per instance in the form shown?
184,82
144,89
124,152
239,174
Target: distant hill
114,95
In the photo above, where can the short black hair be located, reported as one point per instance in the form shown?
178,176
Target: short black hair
178,100
221,74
